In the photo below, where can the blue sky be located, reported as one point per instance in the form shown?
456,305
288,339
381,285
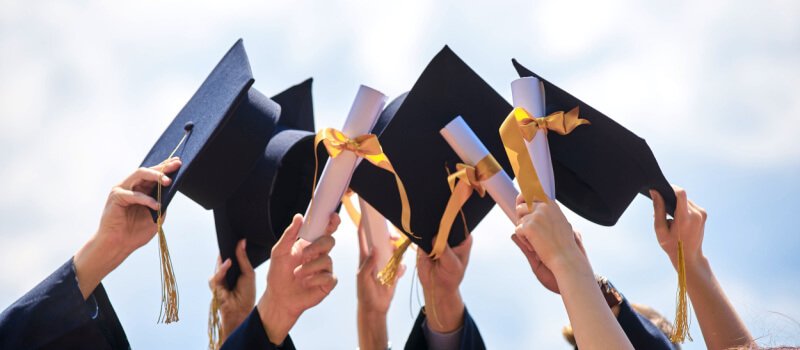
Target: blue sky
87,86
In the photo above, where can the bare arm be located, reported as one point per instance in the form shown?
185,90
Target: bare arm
721,326
551,236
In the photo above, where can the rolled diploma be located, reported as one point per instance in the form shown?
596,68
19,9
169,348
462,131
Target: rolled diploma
338,171
376,230
528,93
471,150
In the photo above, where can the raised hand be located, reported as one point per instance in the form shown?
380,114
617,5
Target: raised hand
540,270
374,298
688,226
125,225
440,280
234,305
300,276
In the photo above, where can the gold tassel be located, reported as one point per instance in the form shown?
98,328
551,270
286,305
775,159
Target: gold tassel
387,274
681,330
169,288
214,326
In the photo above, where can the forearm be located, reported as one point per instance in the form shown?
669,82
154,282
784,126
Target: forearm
372,332
721,326
445,312
94,261
594,324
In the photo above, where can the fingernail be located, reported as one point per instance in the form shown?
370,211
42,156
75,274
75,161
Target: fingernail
164,178
244,243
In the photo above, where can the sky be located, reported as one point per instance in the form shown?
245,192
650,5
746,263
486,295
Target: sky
86,87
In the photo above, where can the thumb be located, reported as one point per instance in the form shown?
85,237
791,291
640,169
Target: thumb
660,216
289,236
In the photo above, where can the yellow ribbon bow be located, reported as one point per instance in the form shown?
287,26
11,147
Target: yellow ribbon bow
519,127
367,147
462,183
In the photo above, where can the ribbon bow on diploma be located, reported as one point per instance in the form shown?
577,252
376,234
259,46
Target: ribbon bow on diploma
560,122
367,147
462,183
519,127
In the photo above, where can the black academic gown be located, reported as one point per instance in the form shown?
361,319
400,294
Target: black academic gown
642,333
470,336
54,315
251,335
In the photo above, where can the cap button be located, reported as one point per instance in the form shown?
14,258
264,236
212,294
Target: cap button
189,126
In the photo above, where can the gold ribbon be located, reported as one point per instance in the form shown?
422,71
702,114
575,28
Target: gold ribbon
462,183
518,127
367,147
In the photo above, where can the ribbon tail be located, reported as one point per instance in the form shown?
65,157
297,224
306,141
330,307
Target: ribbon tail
457,199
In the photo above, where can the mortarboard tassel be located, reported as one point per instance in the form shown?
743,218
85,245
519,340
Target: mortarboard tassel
681,330
214,323
169,287
387,274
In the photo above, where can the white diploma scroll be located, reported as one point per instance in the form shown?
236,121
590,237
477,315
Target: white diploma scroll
337,173
379,240
528,93
471,150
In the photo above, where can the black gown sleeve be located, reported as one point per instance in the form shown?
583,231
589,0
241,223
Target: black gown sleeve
642,333
251,335
54,315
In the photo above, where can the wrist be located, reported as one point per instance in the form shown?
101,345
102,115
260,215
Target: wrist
370,314
372,330
445,312
276,318
94,261
568,264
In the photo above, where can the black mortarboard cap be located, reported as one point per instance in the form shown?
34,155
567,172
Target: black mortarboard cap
278,187
446,89
226,125
599,168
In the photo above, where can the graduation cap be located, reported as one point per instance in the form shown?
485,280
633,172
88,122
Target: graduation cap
446,89
278,187
599,168
219,134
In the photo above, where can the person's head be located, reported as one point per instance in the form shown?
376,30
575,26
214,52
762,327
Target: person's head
647,312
